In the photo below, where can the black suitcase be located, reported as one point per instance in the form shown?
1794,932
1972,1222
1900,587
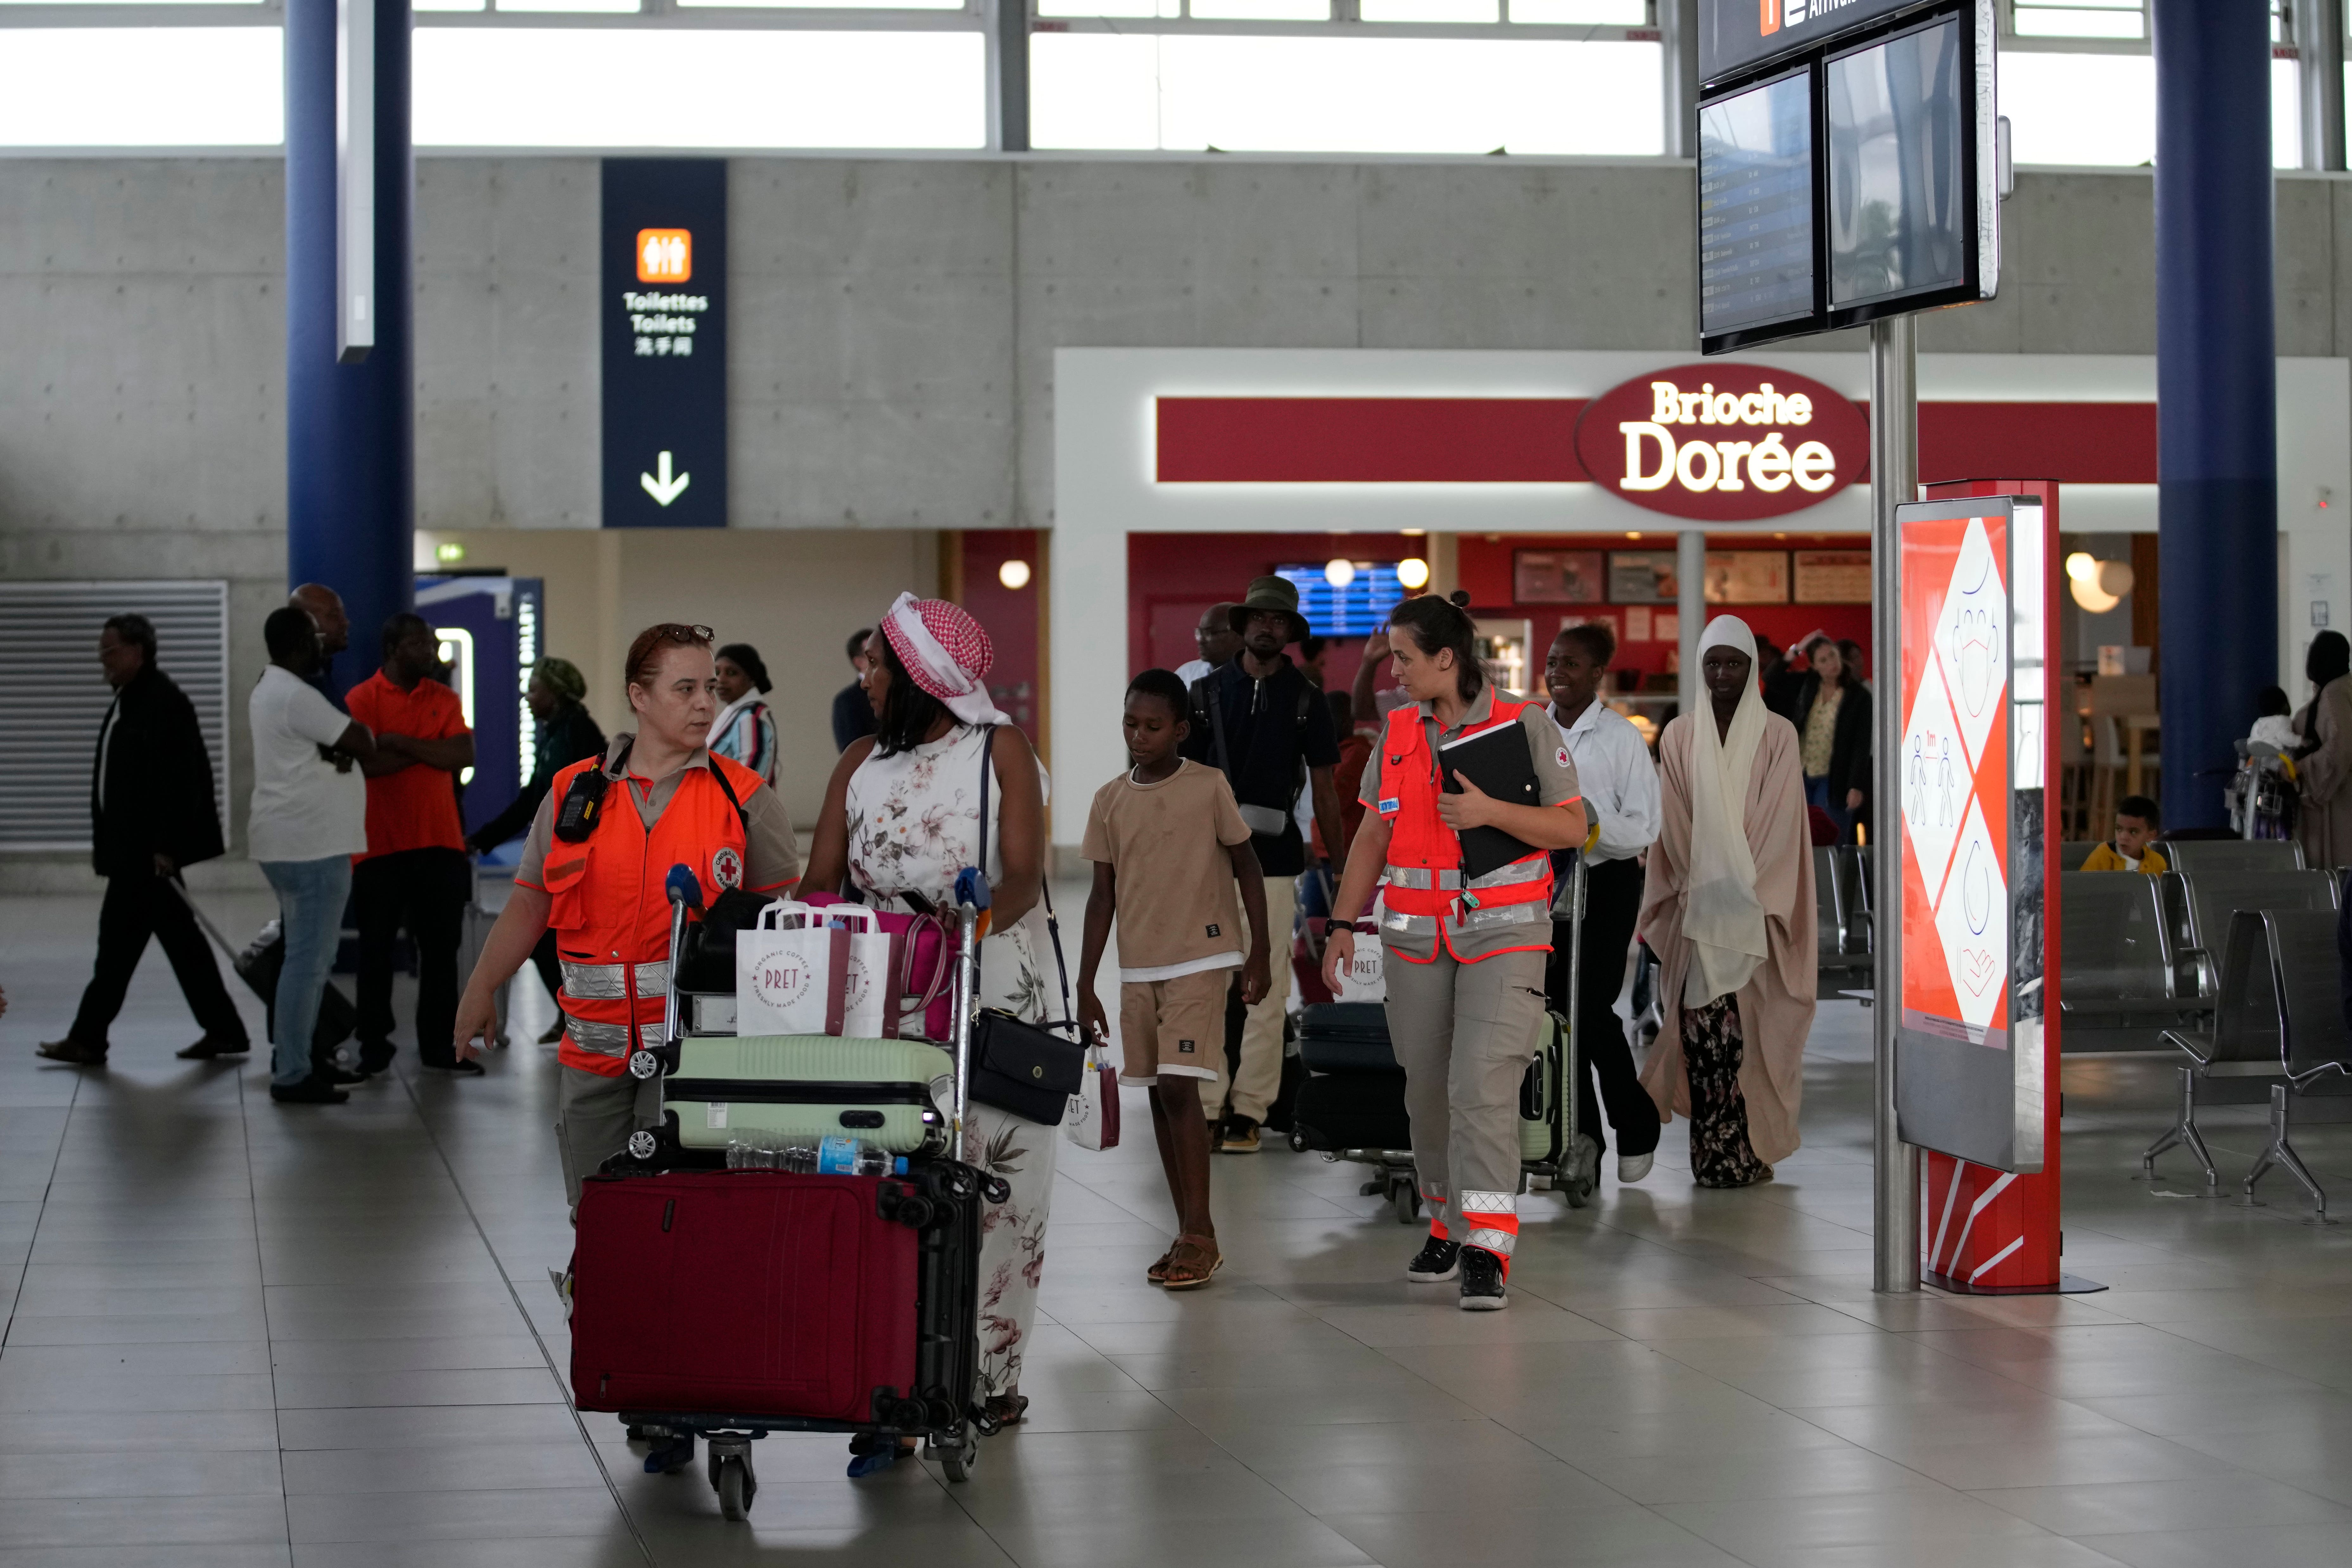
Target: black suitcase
1347,1038
1350,1111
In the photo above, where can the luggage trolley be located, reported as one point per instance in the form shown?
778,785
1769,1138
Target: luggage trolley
939,1196
1553,1155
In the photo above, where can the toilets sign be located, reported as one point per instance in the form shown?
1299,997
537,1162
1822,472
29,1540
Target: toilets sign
1723,442
663,314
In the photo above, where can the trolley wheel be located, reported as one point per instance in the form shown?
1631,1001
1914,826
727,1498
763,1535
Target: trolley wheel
1577,1191
958,1467
1297,1141
736,1489
1405,1197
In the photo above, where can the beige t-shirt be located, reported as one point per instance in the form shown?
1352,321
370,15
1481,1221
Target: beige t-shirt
772,856
1556,785
1169,845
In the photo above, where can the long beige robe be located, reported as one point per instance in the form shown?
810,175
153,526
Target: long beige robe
2325,825
1776,1006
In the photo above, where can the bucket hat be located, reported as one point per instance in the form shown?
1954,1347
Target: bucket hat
1271,593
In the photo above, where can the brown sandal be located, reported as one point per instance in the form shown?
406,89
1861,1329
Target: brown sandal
1158,1272
1192,1262
1008,1409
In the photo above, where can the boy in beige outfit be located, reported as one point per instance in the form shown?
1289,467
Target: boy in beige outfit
1169,847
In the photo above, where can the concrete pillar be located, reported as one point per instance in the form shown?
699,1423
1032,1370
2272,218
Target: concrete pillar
2217,464
350,480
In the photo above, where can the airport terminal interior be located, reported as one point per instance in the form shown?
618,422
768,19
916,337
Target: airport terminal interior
401,401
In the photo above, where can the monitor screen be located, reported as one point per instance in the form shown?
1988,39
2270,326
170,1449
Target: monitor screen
1899,216
1756,205
1358,609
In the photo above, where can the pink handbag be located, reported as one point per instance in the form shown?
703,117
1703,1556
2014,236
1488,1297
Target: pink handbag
922,960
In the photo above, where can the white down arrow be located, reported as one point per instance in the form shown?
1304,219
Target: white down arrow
663,489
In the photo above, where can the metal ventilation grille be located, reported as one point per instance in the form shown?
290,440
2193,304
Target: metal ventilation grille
53,696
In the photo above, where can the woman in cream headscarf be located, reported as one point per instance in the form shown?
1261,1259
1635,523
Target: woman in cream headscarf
1729,912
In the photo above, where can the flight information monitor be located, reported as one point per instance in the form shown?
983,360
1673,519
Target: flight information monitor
1897,214
1756,206
1355,608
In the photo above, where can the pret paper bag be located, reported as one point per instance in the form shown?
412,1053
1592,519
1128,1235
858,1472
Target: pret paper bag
806,971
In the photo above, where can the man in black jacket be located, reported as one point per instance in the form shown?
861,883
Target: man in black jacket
152,813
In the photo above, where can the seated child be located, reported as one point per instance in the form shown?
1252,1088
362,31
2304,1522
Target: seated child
2131,850
1168,845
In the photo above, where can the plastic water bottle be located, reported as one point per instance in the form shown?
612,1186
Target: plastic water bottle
823,1157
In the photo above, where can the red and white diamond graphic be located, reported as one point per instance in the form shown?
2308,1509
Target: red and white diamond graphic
1970,630
1972,921
1936,777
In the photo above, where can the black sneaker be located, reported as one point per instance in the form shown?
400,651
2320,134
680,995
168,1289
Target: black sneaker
468,1068
374,1059
1482,1281
1435,1262
340,1077
312,1090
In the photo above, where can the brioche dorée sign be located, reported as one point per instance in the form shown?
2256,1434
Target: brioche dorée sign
1723,442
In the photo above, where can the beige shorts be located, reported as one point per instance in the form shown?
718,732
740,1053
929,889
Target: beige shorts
1173,1026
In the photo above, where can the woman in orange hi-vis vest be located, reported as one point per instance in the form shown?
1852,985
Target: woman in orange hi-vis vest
595,878
1466,953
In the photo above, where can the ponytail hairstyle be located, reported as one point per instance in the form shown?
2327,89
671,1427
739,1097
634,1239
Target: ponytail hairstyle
1437,623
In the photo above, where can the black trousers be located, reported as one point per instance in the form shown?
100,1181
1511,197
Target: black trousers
136,907
1613,903
426,891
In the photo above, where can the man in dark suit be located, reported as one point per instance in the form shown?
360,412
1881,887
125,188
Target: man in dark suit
152,813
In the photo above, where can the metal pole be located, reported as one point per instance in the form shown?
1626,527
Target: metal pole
1690,608
2320,51
1895,477
1679,36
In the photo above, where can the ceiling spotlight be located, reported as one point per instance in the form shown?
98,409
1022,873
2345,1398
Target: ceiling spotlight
1338,572
1414,573
1014,574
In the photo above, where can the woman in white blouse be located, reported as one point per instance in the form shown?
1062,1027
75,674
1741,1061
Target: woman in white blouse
1621,790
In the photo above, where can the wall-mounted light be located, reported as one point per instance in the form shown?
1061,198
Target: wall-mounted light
1014,574
1414,573
2097,587
449,554
1338,572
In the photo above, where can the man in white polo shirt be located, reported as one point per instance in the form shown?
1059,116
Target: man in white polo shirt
309,818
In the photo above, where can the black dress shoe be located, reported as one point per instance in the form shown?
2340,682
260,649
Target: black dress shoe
212,1047
80,1053
374,1059
312,1090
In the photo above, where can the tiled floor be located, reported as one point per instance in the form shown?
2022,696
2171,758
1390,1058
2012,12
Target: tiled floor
244,1334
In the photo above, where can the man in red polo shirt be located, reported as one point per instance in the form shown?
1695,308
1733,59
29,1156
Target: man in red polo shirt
414,873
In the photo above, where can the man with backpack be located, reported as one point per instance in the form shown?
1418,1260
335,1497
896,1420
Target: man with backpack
1260,721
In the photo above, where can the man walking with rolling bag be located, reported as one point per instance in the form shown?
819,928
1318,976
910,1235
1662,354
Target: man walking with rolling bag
152,812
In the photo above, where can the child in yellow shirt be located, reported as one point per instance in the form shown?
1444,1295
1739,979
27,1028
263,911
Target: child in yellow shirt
2131,850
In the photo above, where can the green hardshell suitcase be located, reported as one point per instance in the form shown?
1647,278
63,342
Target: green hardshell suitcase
887,1093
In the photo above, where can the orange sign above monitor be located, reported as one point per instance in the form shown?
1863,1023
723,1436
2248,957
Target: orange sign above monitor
665,255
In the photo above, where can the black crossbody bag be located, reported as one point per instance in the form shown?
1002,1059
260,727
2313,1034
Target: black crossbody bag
1029,1069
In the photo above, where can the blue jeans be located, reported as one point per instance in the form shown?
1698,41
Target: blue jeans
1817,792
310,898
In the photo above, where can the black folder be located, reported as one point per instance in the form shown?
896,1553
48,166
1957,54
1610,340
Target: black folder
1496,761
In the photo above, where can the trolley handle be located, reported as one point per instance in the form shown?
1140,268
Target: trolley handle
685,891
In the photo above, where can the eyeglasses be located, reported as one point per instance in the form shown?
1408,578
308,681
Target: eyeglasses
682,635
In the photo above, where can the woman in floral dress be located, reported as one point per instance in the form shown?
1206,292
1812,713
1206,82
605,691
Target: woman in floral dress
902,816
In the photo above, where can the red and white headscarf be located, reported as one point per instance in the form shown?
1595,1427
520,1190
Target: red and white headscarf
947,653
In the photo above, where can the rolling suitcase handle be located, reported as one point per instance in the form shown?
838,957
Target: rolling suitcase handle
972,895
685,890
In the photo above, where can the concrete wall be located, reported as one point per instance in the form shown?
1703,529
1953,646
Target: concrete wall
895,325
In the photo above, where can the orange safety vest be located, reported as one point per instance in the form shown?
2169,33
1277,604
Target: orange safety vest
611,912
1426,895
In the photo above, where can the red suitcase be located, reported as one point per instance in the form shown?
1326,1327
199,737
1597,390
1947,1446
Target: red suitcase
744,1291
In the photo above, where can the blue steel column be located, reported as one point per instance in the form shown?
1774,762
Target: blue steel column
2216,392
351,461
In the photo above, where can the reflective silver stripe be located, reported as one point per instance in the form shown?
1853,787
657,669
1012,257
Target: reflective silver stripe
1489,1203
1501,1243
1535,913
1412,925
608,982
609,1039
1518,871
1423,876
